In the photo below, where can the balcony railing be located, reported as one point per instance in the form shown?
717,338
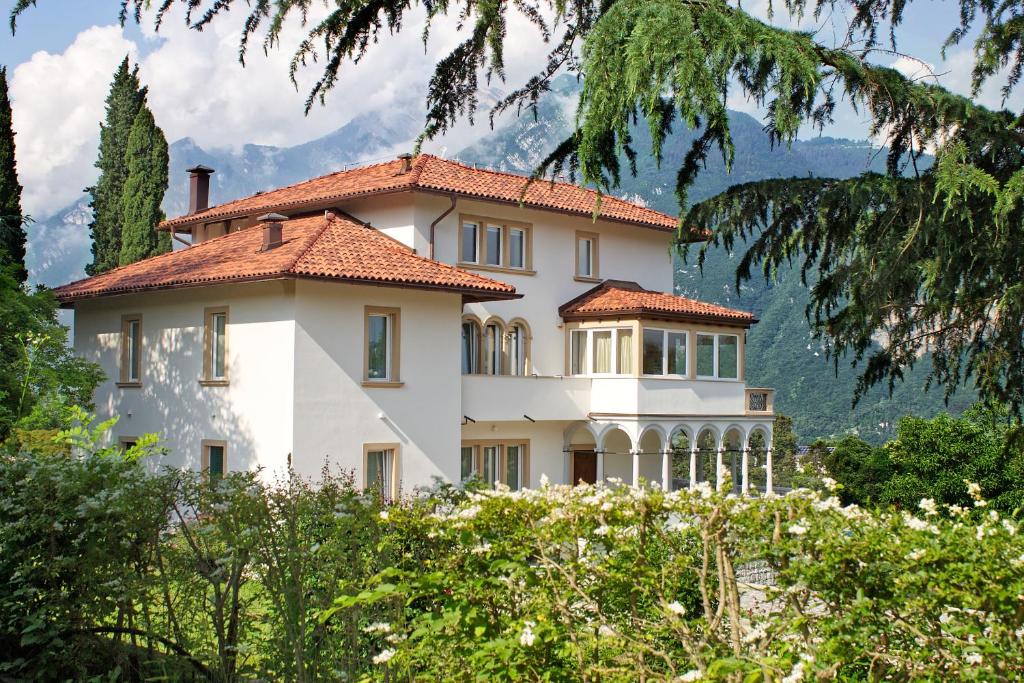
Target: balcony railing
760,401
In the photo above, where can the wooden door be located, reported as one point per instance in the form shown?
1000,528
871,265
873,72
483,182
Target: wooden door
584,467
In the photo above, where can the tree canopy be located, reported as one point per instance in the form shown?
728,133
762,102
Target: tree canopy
12,230
911,261
146,161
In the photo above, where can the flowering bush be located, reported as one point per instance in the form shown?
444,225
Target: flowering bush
617,583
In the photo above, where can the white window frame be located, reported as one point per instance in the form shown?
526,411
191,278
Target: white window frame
665,351
580,240
476,242
714,361
522,247
588,355
487,245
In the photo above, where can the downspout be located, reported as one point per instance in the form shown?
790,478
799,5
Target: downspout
433,226
174,236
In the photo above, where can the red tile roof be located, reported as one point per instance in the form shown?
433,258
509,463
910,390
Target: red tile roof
339,248
620,298
433,174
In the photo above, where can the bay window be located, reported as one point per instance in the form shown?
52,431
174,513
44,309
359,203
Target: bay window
718,356
606,351
665,352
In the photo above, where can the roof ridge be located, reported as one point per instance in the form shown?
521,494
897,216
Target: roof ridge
530,179
312,242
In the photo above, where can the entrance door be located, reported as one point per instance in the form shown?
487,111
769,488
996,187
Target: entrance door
584,467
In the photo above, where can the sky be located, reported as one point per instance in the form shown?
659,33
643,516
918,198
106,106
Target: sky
62,57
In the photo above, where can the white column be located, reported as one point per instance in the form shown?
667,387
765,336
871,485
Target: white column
719,467
746,470
636,466
666,470
600,466
768,470
693,467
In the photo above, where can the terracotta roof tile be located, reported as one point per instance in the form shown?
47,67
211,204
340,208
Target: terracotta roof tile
433,174
313,246
615,297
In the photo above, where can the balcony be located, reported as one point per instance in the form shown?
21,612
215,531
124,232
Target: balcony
498,398
759,401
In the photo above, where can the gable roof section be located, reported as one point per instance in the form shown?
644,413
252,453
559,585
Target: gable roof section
433,174
338,248
619,298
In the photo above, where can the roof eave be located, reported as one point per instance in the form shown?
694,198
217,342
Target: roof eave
650,314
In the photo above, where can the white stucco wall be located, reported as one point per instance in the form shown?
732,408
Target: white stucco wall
253,414
335,414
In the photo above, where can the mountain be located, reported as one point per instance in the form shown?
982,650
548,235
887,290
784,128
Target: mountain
781,353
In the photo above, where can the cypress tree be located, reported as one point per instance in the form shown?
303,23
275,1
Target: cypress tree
12,232
146,161
126,98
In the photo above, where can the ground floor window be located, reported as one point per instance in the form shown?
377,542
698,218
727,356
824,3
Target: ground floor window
215,459
494,462
380,467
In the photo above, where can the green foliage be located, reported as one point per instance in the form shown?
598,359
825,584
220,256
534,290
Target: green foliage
146,161
126,98
931,458
12,230
41,379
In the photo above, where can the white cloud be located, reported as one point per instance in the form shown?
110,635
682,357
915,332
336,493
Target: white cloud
198,89
57,102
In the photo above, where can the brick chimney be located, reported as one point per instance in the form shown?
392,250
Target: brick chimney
199,188
273,230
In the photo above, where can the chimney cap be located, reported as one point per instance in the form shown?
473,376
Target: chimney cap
199,168
405,155
271,218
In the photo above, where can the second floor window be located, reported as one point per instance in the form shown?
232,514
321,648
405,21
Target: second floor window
495,243
215,344
382,352
664,352
470,242
601,351
470,348
493,246
131,349
492,349
586,256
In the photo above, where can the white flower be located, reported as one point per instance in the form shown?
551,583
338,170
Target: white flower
692,675
606,631
915,523
929,507
384,656
384,515
544,481
676,608
796,675
378,627
830,483
974,490
601,530
973,658
797,530
1010,527
527,637
481,549
915,555
469,513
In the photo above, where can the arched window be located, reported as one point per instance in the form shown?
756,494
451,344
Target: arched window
470,347
518,348
493,351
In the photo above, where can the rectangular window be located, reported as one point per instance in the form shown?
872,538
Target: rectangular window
516,248
382,350
492,464
602,351
215,345
578,352
381,468
215,461
497,462
468,462
131,349
492,349
514,467
705,355
470,242
654,351
493,252
587,260
625,351
470,348
676,353
728,356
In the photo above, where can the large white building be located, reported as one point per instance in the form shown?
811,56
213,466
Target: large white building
423,319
